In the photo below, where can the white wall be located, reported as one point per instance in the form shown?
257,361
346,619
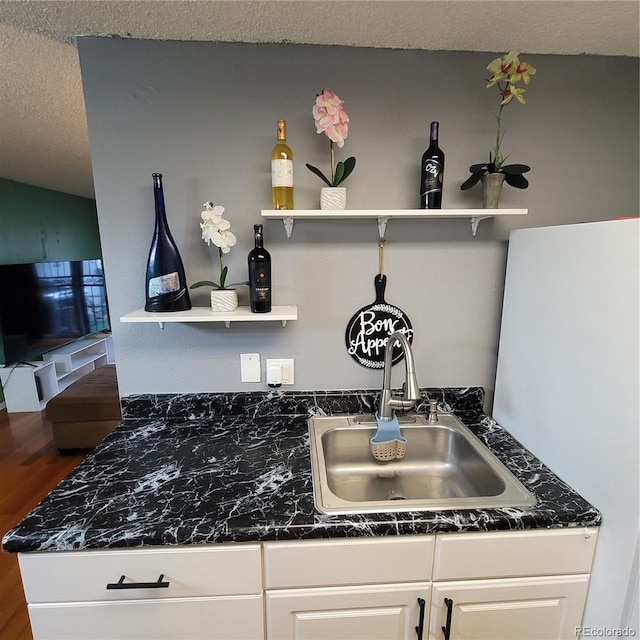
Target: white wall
567,384
204,115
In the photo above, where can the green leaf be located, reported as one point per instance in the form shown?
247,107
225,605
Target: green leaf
348,166
203,283
337,178
319,174
223,277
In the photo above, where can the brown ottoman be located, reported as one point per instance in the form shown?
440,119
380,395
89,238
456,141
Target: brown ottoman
86,411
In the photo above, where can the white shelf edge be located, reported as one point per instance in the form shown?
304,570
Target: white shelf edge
282,313
384,215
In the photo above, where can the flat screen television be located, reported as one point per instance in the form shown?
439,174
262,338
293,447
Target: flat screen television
45,305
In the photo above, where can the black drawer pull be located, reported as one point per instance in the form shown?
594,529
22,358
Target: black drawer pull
446,630
420,627
121,584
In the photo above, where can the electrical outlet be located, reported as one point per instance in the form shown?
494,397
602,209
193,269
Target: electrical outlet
286,366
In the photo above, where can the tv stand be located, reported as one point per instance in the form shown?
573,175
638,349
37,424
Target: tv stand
29,386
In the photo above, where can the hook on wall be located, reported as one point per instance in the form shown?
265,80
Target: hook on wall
382,226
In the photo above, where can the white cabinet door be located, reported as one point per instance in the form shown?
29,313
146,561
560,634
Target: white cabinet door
374,612
542,608
223,618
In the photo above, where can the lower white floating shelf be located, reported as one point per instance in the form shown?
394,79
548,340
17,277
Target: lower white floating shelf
204,314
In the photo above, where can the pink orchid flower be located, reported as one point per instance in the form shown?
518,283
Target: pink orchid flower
330,117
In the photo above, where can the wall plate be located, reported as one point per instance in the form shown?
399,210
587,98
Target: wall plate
286,365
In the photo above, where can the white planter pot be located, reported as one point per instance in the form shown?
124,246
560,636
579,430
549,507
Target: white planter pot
333,198
224,300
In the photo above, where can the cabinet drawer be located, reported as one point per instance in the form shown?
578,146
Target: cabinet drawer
514,553
342,562
221,618
83,576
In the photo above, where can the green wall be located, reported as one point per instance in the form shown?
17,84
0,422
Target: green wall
38,225
41,225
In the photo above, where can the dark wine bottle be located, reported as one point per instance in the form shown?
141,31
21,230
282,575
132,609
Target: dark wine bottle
432,173
166,281
259,274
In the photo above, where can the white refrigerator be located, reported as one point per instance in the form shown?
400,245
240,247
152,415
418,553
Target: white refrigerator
567,387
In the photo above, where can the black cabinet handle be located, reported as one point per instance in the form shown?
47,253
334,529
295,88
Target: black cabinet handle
121,584
420,627
446,630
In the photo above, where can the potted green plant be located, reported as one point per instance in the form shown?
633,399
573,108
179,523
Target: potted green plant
506,73
216,230
331,119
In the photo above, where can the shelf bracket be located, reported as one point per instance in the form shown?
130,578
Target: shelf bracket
382,226
161,325
475,221
288,226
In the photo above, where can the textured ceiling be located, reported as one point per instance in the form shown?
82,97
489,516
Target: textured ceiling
43,132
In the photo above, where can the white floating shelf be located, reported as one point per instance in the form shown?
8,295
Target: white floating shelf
204,314
384,215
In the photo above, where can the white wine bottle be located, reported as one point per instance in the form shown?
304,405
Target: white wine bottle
282,170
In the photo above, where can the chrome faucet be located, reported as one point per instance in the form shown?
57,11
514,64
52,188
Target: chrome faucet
389,403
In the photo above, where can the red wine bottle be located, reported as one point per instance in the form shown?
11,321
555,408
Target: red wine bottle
432,173
166,280
259,274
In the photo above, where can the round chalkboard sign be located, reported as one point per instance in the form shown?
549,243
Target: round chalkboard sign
369,329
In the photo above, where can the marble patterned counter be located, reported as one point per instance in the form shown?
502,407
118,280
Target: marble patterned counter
207,468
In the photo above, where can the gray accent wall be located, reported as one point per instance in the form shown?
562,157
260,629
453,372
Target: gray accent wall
204,115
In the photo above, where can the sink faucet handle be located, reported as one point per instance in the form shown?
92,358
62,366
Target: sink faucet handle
433,411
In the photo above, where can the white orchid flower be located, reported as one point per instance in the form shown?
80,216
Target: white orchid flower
215,230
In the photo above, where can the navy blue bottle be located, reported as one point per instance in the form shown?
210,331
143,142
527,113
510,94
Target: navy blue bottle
166,281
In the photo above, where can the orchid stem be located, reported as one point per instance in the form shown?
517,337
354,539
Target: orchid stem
333,175
497,159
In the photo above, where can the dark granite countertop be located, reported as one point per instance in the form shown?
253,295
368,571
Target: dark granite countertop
207,468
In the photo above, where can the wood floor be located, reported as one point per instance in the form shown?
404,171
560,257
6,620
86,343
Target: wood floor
30,466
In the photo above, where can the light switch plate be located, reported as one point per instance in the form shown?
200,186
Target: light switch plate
286,365
250,367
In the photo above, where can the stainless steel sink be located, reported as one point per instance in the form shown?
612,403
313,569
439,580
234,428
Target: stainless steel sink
445,467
